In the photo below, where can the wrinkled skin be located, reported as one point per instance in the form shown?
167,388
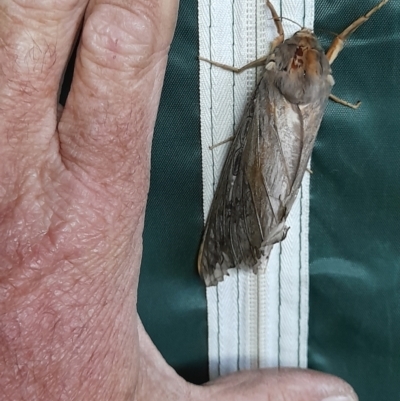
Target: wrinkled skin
73,188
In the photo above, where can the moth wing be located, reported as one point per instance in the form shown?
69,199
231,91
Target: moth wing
259,181
239,213
286,147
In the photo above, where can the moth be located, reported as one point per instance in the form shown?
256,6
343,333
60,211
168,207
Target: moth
269,154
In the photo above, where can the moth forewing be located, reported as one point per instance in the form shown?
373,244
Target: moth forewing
268,155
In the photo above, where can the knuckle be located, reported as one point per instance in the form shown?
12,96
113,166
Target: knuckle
121,38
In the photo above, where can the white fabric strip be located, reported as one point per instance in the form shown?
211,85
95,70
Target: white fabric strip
253,321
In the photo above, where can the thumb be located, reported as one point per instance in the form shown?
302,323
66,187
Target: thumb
279,385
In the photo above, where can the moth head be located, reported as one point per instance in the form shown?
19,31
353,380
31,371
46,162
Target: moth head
301,69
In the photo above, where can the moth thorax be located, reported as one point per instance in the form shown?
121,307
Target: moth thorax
306,77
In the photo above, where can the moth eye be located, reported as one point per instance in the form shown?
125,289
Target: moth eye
270,66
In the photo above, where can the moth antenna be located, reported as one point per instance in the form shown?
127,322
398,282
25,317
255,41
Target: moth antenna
290,20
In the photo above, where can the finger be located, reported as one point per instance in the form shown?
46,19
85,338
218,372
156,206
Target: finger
36,38
282,384
108,119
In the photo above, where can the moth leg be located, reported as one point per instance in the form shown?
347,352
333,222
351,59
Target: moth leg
344,103
338,43
256,63
221,143
278,23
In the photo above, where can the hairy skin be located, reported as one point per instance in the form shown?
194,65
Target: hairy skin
73,189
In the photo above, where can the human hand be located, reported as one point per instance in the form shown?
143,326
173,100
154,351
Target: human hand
73,188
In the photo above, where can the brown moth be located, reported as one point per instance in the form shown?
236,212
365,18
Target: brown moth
269,154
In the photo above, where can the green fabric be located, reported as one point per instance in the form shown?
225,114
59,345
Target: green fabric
171,298
355,208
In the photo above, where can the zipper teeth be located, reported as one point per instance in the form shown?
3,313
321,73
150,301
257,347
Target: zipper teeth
247,322
249,317
264,36
256,313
